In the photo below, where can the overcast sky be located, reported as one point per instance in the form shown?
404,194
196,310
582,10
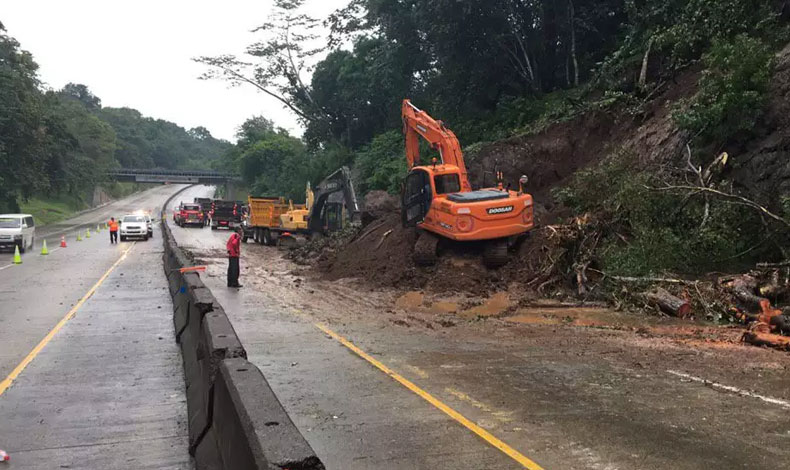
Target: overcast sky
138,54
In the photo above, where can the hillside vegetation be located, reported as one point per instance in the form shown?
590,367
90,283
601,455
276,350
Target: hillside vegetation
56,144
618,111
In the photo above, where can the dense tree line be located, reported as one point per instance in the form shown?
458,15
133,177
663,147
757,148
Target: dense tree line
60,142
489,68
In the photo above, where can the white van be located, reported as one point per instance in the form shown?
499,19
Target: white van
17,229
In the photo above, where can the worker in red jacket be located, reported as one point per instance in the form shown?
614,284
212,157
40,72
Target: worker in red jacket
234,250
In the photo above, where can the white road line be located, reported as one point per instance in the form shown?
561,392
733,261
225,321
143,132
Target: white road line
6,266
735,390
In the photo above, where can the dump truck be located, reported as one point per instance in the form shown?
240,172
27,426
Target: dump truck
263,222
225,214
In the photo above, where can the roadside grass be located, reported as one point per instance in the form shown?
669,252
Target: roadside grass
51,210
47,211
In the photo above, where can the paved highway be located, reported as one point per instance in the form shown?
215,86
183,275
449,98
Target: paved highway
373,388
91,373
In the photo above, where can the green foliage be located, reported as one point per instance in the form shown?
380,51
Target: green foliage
679,32
649,231
732,91
154,143
382,163
271,162
20,119
360,91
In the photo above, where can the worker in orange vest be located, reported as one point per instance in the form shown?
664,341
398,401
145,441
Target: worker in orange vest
113,230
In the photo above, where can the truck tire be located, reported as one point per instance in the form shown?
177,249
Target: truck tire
425,249
267,237
123,239
495,253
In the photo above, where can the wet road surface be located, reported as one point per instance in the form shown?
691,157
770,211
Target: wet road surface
92,375
564,397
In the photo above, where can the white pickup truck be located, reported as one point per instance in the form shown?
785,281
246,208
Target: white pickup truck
133,226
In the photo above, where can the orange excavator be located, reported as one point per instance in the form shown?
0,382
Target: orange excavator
438,199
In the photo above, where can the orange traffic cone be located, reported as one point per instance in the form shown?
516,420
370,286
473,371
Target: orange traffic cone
63,241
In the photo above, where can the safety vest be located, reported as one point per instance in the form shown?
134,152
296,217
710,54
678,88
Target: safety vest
113,226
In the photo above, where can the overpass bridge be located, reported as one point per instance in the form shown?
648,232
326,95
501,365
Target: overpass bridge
171,176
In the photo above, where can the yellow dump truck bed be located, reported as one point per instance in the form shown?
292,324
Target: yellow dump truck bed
266,211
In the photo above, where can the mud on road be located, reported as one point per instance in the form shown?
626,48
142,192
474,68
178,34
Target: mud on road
576,387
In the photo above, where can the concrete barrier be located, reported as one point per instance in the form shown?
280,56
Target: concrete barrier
235,419
251,427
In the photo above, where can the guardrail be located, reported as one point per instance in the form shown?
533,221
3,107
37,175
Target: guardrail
235,419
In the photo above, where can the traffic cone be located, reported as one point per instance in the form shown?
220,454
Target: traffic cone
17,256
63,241
79,237
44,250
88,233
98,228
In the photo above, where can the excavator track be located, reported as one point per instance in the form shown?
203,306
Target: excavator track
495,253
425,249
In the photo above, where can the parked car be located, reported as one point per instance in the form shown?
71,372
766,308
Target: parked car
133,226
188,213
17,230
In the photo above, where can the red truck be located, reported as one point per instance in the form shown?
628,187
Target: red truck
188,214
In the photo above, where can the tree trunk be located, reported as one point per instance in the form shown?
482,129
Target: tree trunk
572,21
643,73
549,25
743,288
668,303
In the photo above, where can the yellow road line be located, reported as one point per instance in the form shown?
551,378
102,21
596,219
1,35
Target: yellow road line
29,358
487,436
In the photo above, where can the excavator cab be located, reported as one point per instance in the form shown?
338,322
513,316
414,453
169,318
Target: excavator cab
416,197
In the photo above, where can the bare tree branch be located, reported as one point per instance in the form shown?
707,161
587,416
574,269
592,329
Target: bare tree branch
731,197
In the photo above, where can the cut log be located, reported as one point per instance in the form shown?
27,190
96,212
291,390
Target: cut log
744,288
767,339
668,303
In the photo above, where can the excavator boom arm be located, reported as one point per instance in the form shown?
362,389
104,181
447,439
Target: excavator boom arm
416,123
